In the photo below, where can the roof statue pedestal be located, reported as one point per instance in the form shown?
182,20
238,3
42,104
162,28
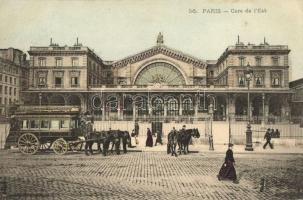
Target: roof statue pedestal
160,40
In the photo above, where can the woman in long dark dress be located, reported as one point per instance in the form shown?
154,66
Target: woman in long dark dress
149,140
228,171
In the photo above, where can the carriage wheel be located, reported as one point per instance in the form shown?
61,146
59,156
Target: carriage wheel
28,143
60,146
45,146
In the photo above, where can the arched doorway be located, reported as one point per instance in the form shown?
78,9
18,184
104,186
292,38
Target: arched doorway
111,107
158,106
172,106
96,105
187,106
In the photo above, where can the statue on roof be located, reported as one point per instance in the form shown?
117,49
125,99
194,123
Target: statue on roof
160,39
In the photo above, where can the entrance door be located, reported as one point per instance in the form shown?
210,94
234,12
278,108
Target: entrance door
157,127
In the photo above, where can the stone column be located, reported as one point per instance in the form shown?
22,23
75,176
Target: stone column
165,109
134,112
103,108
285,109
180,106
119,110
196,107
231,107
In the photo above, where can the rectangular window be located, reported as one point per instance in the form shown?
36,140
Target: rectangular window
55,124
0,101
241,81
44,124
42,81
0,77
1,88
59,62
5,90
15,91
5,79
75,62
24,124
74,124
258,61
58,82
15,81
34,124
10,80
241,61
275,61
258,81
64,124
74,82
42,62
10,91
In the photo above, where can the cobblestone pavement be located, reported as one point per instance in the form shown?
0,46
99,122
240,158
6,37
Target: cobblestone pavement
147,175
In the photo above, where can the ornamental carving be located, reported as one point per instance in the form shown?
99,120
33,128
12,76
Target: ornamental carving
161,50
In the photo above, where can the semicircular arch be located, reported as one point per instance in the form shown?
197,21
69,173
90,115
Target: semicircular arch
152,72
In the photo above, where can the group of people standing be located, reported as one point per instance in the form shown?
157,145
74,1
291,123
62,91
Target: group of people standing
270,133
149,140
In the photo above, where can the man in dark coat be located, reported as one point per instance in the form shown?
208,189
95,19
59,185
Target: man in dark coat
228,170
88,136
137,129
159,138
267,136
149,140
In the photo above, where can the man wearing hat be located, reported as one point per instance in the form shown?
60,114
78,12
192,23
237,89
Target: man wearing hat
87,136
267,136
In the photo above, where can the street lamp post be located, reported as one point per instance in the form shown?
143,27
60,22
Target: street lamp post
248,146
211,140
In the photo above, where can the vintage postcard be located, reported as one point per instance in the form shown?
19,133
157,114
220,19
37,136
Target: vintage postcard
154,99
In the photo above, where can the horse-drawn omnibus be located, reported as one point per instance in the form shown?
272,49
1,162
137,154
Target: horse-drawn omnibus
36,128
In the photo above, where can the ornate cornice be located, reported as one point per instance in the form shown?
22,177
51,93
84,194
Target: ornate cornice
178,55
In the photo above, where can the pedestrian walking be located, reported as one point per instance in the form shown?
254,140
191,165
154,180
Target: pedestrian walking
149,139
137,128
228,171
267,136
159,138
277,133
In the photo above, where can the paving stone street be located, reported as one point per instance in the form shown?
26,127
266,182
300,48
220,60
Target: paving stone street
148,175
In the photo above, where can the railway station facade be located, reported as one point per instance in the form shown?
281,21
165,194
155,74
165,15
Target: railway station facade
163,83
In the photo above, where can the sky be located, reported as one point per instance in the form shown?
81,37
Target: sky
120,28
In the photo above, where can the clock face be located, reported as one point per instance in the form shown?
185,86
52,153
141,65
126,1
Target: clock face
160,73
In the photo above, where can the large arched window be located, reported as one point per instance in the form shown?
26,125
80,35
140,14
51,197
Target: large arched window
160,73
172,107
187,105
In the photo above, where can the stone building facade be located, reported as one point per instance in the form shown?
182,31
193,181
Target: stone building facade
13,78
297,101
165,84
